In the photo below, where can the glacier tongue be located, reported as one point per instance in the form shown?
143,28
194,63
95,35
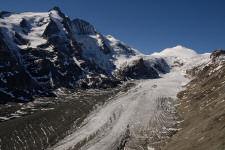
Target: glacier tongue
144,111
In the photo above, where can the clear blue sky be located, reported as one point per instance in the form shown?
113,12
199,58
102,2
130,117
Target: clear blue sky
147,25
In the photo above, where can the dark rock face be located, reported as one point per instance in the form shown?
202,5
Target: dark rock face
217,59
105,49
124,48
2,13
56,8
83,28
4,50
51,29
23,23
15,82
217,54
138,70
19,40
63,72
162,66
25,27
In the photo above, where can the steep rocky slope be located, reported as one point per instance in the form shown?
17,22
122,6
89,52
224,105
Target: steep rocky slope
45,51
202,107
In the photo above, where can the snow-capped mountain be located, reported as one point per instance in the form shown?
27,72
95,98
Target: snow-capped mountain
177,51
45,51
181,56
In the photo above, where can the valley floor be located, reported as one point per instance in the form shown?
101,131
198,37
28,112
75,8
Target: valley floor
137,119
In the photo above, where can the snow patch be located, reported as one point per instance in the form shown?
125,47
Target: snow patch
37,23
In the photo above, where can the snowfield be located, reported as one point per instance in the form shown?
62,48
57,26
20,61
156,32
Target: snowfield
36,24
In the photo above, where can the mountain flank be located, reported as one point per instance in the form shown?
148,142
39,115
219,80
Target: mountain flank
202,108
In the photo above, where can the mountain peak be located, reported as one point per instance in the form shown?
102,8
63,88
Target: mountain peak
57,11
56,8
177,51
179,46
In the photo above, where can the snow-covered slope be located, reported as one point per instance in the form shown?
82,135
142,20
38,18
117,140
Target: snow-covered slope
122,54
29,26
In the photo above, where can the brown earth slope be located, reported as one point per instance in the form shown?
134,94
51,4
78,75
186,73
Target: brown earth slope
202,106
